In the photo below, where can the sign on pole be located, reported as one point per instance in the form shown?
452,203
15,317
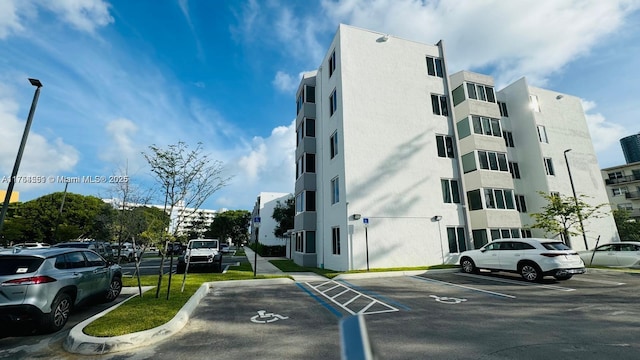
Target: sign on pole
365,221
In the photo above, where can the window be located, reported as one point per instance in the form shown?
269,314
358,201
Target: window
486,126
479,238
335,236
310,242
542,134
299,166
457,240
450,192
310,94
503,109
626,206
508,138
300,202
445,146
310,163
299,243
548,166
490,160
469,162
310,127
439,105
333,103
521,204
332,63
509,234
619,191
535,105
335,190
458,95
333,146
526,233
514,169
310,201
474,199
434,67
480,92
498,199
299,102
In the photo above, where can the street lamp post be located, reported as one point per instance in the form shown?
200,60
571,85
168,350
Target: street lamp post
575,198
16,165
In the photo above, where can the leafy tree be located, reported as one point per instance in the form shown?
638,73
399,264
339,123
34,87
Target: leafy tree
628,229
283,214
562,215
187,179
231,224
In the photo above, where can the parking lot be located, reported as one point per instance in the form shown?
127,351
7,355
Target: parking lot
435,315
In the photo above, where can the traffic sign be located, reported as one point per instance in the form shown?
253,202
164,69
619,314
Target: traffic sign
365,221
256,219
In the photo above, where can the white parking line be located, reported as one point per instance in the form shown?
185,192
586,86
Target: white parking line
464,287
600,281
516,282
326,287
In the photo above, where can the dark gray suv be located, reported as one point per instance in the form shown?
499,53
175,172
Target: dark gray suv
44,285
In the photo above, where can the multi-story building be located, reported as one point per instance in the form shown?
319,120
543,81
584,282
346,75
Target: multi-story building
263,232
623,181
401,164
183,219
631,148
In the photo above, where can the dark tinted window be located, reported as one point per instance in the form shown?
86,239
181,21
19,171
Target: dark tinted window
73,245
555,246
94,259
11,265
75,260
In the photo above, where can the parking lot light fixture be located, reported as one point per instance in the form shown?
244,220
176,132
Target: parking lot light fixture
16,165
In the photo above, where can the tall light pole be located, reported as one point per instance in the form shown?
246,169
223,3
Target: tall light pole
16,165
437,219
575,198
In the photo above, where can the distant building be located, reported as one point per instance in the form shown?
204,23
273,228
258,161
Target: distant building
182,217
266,202
631,148
15,196
399,163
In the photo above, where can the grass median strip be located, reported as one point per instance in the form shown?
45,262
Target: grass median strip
147,312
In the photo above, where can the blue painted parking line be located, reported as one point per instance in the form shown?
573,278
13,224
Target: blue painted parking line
464,287
376,295
322,302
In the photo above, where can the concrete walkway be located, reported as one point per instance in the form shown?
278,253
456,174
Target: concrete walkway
267,268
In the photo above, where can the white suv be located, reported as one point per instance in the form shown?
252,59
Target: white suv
531,258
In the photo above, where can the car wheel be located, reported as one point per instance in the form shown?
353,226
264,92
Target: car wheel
57,318
115,287
563,277
530,272
468,265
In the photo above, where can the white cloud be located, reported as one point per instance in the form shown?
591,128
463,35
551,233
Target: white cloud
285,82
530,38
603,133
9,18
84,15
41,157
121,132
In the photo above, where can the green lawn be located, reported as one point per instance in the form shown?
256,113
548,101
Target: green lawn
290,266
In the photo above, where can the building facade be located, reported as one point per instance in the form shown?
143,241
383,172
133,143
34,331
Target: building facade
263,232
631,148
623,188
399,163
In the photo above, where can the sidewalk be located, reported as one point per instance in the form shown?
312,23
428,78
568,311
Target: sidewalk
267,268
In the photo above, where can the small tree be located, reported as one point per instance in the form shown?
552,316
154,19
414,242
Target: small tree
188,178
562,216
284,214
628,229
230,224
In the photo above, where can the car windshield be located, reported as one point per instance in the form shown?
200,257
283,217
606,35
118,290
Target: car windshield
11,265
204,245
555,246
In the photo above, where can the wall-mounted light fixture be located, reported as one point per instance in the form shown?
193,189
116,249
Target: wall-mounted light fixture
383,38
436,218
356,216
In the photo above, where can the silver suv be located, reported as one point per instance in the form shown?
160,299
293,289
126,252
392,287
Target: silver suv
44,285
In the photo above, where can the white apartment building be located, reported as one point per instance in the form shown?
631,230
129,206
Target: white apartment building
263,208
401,164
623,187
182,218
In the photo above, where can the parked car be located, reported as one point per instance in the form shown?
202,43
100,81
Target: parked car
175,248
127,252
622,254
531,258
224,248
101,247
44,285
31,245
203,253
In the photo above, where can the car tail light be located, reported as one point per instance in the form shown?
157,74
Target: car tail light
551,254
29,281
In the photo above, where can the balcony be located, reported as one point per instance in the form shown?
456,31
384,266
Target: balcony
622,180
632,195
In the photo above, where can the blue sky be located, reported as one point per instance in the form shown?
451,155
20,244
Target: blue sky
121,75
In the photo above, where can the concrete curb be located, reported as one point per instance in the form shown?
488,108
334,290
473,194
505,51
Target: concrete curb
385,274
